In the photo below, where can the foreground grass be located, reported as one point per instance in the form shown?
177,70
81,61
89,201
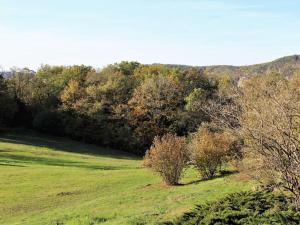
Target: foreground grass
47,180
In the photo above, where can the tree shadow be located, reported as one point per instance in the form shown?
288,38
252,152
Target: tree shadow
7,159
9,164
63,144
3,150
224,173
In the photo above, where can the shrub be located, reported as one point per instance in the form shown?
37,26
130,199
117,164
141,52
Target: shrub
209,150
260,207
168,156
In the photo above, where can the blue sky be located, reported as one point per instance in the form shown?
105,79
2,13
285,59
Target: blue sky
100,32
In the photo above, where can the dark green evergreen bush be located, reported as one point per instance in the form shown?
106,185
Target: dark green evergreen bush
260,207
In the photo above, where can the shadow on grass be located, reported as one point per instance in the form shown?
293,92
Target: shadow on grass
62,144
224,173
7,159
9,164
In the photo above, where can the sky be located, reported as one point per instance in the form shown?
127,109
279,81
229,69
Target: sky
192,32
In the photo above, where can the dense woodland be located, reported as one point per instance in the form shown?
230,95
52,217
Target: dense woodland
183,115
123,106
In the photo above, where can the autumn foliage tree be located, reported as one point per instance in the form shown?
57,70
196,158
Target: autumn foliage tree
71,94
153,108
168,156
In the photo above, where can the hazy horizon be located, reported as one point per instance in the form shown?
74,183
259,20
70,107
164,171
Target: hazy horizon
97,33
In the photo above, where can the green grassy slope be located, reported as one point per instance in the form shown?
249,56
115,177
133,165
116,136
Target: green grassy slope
47,180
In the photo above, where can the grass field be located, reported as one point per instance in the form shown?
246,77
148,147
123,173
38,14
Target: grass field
47,180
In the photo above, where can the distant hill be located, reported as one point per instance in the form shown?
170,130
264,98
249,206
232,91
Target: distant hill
6,74
286,66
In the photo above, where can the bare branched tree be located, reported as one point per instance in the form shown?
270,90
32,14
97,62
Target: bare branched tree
265,112
270,125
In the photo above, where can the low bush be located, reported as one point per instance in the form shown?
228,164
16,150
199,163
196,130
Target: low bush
209,150
260,207
168,156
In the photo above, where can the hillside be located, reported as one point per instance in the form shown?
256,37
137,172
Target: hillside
47,180
287,65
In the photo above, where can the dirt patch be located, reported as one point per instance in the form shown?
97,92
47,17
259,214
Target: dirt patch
156,186
67,193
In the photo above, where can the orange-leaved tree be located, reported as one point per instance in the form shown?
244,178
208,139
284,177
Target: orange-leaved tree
168,156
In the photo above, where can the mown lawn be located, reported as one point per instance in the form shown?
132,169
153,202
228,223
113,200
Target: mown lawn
48,180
